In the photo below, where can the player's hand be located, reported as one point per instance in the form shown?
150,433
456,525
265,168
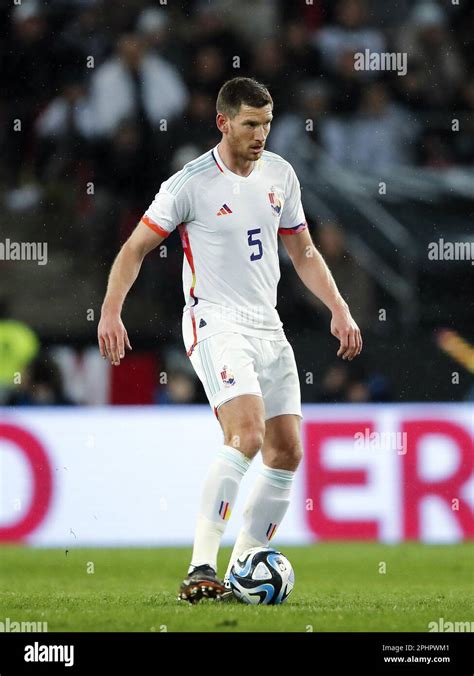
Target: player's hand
346,330
113,338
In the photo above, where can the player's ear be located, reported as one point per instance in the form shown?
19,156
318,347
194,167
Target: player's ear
222,122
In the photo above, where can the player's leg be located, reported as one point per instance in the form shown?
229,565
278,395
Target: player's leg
269,499
242,420
243,423
225,366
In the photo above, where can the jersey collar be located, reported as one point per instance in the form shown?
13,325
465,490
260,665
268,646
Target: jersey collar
251,178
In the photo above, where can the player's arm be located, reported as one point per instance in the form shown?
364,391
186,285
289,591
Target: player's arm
112,334
316,276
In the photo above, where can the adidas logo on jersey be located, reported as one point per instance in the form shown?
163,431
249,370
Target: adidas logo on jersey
202,323
224,210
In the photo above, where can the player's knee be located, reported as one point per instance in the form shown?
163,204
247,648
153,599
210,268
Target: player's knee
288,456
248,438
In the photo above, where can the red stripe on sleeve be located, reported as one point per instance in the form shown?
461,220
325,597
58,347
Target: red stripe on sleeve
293,231
156,228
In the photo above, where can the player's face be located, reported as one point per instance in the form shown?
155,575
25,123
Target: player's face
248,131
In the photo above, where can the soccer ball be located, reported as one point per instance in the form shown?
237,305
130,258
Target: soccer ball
262,576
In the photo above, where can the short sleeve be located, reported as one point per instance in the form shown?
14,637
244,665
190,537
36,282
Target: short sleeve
292,218
167,211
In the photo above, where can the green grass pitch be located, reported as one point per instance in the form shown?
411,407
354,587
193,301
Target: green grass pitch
339,587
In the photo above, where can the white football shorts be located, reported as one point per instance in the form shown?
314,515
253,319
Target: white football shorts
230,364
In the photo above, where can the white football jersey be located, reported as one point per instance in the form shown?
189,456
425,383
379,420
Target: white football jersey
229,227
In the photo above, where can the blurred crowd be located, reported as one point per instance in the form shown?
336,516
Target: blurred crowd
100,101
123,94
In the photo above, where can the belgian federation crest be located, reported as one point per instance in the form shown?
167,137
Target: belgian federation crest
276,201
227,376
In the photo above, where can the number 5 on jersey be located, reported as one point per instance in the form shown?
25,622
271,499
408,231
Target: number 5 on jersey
254,241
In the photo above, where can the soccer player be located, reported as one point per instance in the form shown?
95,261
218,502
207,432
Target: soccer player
229,205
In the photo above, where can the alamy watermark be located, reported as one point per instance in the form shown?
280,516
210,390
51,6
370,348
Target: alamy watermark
447,626
24,251
38,652
451,251
381,61
12,626
391,441
251,315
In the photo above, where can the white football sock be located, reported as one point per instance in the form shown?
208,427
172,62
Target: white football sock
264,511
218,498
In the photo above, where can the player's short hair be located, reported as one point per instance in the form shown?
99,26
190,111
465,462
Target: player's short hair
242,90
